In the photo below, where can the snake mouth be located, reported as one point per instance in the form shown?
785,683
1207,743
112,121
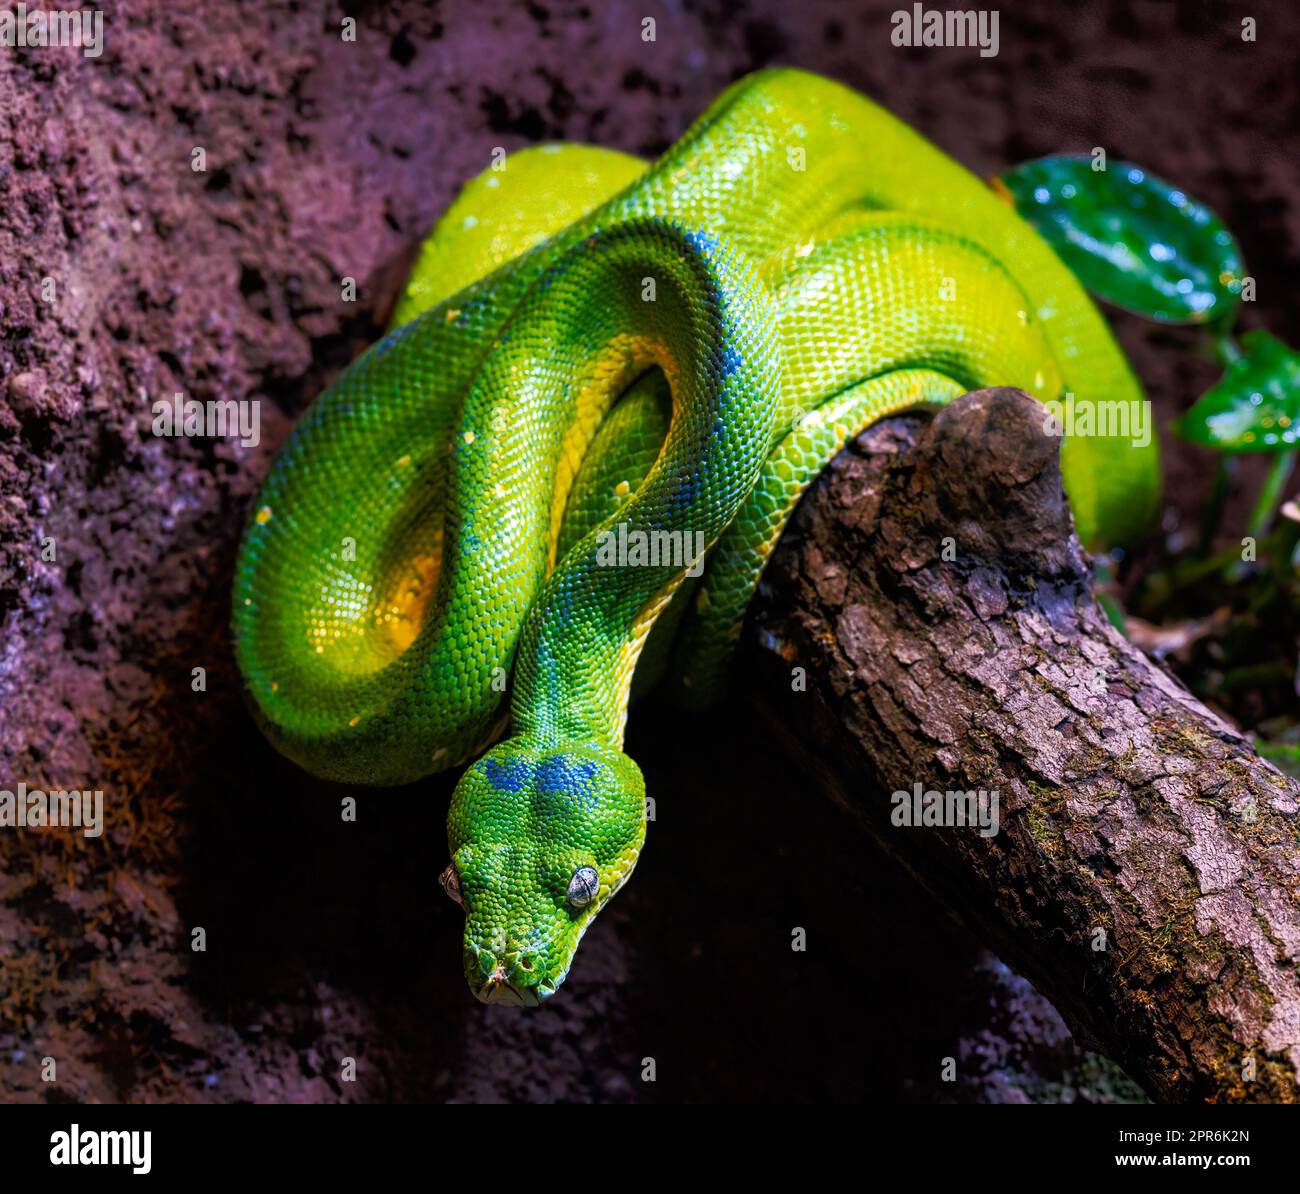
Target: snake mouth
502,990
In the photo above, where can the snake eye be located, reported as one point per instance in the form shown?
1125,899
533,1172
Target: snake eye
583,887
449,881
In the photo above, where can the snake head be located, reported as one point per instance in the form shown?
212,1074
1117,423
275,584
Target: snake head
540,839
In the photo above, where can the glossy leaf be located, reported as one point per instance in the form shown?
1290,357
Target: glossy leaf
1132,238
1255,407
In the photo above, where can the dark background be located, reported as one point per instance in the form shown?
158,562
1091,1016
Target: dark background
325,940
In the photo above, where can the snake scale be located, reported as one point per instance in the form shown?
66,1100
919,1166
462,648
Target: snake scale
595,352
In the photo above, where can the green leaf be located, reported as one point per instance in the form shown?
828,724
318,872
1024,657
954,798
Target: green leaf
1131,238
1255,407
1283,755
1114,613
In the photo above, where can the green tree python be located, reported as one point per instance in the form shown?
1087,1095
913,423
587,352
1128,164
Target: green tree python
599,369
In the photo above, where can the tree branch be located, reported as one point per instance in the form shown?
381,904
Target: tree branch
1146,875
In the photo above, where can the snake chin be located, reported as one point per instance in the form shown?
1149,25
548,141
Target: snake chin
506,984
502,990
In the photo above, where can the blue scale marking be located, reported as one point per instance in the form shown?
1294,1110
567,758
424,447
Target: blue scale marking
510,778
560,776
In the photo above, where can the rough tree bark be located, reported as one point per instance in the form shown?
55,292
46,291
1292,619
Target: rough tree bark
1147,872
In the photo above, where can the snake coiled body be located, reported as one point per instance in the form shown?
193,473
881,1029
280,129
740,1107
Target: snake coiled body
593,352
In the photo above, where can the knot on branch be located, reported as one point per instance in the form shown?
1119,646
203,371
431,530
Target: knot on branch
987,473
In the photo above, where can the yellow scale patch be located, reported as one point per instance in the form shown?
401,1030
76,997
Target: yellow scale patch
401,612
627,356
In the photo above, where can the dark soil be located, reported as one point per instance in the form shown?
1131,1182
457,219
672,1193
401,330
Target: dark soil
125,276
